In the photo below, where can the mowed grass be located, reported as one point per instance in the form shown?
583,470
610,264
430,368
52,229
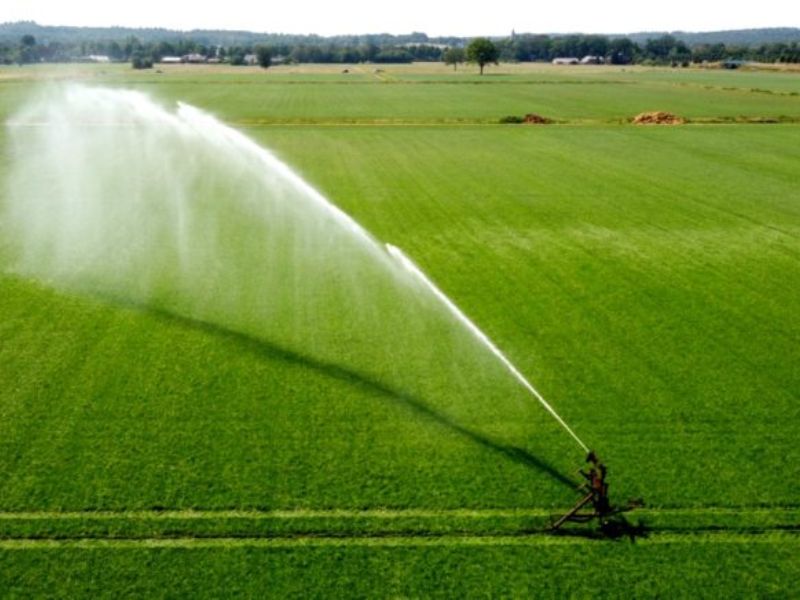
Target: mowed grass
472,569
644,278
644,294
483,101
430,95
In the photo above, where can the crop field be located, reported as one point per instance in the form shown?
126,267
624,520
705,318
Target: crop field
645,278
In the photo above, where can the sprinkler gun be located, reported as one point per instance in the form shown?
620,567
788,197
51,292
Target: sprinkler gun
595,491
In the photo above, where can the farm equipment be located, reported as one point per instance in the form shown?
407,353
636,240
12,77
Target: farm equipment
595,491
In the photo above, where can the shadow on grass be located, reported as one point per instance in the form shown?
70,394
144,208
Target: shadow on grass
615,528
265,349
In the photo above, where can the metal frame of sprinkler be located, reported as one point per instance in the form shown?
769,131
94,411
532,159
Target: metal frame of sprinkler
595,493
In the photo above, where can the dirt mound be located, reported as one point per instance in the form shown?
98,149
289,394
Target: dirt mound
535,119
530,119
657,118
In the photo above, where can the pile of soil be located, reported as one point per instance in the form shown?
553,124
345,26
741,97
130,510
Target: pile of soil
657,118
534,119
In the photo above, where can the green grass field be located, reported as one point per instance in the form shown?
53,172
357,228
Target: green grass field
643,277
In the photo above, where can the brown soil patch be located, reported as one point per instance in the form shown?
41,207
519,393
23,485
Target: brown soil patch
658,118
535,119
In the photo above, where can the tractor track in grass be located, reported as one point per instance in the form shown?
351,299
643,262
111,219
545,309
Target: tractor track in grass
539,538
617,121
383,513
199,528
456,122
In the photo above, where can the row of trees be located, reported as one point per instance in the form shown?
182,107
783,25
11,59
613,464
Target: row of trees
524,48
141,53
369,52
665,49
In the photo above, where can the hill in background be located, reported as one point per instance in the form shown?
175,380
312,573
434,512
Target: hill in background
738,37
12,32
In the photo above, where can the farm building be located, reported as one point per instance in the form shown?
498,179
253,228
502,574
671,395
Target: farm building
171,59
566,61
592,60
194,58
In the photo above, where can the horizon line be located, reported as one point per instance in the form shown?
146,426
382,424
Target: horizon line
410,33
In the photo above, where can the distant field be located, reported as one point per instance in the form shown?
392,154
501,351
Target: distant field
644,278
401,94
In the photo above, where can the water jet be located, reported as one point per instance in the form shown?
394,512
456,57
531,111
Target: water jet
111,193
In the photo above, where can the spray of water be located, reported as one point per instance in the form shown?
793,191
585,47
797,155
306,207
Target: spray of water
412,268
110,193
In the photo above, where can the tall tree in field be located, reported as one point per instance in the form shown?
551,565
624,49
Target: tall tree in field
264,56
453,56
27,50
482,51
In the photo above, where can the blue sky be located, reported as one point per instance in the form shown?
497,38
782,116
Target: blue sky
461,18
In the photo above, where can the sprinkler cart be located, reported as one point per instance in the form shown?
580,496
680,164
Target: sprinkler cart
595,490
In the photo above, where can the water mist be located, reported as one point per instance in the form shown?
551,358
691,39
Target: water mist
111,194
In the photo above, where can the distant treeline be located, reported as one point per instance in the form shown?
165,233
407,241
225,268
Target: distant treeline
665,49
29,50
736,37
77,44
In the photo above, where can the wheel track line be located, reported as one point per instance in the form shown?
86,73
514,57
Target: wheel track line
535,539
190,514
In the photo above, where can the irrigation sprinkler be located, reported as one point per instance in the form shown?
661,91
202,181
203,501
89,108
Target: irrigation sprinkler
595,491
595,488
595,495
